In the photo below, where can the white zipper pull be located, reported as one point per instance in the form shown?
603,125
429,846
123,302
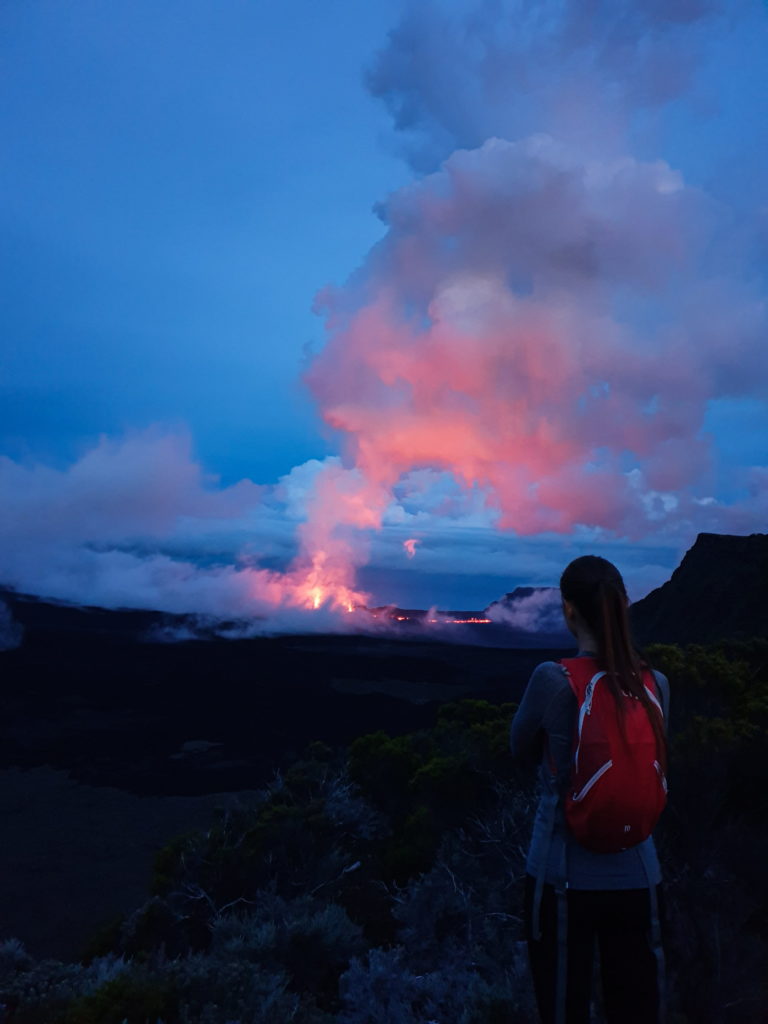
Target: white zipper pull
588,697
590,690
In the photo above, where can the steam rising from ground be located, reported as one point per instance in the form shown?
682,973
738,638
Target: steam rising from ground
536,612
113,530
136,523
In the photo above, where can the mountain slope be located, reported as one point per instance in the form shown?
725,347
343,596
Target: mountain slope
719,591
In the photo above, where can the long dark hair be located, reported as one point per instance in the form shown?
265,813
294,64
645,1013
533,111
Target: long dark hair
594,586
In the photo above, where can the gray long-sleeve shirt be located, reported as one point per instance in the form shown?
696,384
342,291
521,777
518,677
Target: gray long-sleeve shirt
548,709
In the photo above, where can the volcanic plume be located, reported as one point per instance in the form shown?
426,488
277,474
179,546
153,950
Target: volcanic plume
547,316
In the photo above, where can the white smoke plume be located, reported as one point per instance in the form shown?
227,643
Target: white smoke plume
539,612
549,316
456,74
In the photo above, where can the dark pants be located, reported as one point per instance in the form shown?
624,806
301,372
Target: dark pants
620,922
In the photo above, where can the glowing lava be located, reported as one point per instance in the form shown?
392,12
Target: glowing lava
464,621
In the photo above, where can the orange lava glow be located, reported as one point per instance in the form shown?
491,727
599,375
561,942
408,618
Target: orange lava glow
472,620
320,580
325,584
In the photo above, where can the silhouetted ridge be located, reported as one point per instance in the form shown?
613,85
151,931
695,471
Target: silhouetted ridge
719,591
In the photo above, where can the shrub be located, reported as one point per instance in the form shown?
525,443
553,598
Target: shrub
383,989
136,995
42,992
311,943
213,990
382,767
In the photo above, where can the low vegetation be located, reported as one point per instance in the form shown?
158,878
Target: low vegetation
382,884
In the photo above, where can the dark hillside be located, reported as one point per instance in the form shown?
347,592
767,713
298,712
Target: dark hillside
86,692
113,744
719,591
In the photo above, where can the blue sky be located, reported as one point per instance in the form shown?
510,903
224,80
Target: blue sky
181,179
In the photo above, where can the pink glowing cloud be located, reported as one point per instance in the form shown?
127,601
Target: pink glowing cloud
486,335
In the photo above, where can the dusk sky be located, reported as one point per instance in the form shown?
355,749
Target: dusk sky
286,285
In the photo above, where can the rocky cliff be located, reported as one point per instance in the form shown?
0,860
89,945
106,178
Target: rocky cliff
719,590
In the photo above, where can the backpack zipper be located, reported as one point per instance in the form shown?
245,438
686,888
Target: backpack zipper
587,707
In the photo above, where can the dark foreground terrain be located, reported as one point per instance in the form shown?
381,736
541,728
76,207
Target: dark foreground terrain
397,856
87,693
113,745
377,882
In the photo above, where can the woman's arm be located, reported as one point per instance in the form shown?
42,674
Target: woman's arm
526,730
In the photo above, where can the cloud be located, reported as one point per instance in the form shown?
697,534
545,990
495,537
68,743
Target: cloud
136,523
549,329
534,613
92,532
144,485
549,315
456,74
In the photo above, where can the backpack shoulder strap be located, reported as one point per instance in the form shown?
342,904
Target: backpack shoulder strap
653,690
579,672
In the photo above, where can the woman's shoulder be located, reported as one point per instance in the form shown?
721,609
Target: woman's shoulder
549,679
546,690
550,672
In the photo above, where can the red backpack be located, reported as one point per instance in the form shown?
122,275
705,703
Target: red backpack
617,789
